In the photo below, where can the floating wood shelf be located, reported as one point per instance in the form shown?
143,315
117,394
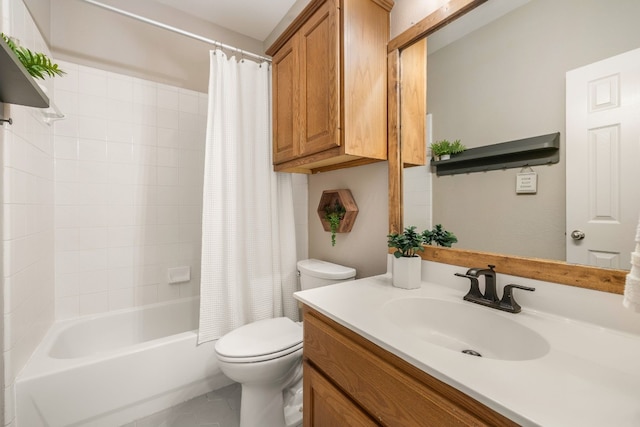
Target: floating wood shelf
16,85
344,197
538,150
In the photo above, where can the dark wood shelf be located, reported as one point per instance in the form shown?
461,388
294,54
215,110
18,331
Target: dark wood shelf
16,85
538,150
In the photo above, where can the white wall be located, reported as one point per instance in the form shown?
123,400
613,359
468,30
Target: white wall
91,36
27,223
129,165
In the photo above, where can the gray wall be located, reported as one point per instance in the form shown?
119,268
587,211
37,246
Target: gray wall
507,81
365,247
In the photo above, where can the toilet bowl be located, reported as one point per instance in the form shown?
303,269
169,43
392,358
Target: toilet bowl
265,357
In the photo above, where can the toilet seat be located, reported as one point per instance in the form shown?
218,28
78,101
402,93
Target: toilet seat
260,341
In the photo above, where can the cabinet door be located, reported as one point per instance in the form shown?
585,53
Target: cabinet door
325,406
413,103
285,69
320,80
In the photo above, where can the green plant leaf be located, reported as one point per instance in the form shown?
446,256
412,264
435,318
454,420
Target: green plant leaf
439,236
407,243
38,65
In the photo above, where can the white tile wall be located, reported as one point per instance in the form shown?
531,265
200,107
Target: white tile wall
27,219
417,197
129,162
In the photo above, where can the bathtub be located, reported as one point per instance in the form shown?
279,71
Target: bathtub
111,369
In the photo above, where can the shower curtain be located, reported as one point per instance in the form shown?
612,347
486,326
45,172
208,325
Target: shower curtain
248,231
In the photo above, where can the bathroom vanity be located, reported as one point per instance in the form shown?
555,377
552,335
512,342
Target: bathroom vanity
351,381
379,355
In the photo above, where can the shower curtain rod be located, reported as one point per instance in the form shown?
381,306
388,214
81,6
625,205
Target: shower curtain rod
178,30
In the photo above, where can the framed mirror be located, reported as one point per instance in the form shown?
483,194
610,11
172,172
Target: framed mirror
482,89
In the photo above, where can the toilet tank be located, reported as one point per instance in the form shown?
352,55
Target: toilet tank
315,273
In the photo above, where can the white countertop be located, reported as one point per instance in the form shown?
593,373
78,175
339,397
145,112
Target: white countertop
589,377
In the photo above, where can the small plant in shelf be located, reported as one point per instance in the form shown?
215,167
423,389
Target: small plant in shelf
334,214
456,147
37,64
442,150
439,236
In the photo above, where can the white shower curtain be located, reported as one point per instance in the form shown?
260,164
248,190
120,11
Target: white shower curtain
248,231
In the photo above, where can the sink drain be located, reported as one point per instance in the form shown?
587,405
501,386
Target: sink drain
472,353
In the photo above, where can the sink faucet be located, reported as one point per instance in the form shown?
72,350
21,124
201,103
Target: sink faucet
490,296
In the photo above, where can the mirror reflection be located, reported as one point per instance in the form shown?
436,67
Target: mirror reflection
505,81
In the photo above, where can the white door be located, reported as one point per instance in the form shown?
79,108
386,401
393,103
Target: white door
603,161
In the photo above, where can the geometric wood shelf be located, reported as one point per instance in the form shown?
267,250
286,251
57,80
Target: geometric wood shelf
344,197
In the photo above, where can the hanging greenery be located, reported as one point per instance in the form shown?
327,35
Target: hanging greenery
334,214
37,64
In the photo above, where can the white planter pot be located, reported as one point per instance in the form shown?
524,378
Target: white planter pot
445,157
407,272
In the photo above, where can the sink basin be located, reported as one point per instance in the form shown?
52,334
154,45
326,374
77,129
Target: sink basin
465,327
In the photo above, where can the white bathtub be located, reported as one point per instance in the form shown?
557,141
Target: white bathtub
111,369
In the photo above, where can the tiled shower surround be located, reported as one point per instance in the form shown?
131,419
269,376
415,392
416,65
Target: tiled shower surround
129,161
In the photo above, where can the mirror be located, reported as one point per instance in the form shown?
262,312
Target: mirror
503,82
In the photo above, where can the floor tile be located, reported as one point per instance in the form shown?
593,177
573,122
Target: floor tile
218,408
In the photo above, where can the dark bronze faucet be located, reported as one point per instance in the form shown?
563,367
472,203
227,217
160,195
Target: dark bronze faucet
490,296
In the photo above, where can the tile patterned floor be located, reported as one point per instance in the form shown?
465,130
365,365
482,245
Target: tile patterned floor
219,408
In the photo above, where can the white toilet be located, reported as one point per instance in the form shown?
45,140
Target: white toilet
266,357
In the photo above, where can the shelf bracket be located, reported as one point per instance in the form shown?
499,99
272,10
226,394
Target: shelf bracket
2,118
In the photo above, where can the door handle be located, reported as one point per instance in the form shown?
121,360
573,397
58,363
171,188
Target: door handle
577,235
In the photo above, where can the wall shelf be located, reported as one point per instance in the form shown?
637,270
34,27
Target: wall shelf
344,197
538,150
16,85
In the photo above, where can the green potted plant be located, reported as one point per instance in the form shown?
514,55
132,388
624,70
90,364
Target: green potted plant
440,149
334,214
439,236
37,64
443,150
456,147
406,262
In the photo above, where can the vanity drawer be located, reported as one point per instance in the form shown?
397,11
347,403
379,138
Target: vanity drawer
392,391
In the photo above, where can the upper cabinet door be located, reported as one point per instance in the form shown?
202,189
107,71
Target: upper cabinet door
286,89
320,80
329,86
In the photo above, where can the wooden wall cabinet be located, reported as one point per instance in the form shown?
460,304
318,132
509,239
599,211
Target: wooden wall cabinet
413,104
329,74
348,380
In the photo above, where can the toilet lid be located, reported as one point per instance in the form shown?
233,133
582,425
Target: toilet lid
261,338
325,270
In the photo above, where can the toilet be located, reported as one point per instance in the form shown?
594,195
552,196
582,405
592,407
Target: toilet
265,357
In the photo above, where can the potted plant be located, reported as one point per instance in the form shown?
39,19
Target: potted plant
406,263
439,236
456,147
443,150
334,214
440,150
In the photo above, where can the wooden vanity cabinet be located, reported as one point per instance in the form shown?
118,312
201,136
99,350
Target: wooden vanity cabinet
329,76
349,381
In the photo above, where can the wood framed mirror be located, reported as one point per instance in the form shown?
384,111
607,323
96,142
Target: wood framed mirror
608,280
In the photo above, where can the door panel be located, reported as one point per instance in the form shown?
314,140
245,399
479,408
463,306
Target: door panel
319,83
603,148
285,102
